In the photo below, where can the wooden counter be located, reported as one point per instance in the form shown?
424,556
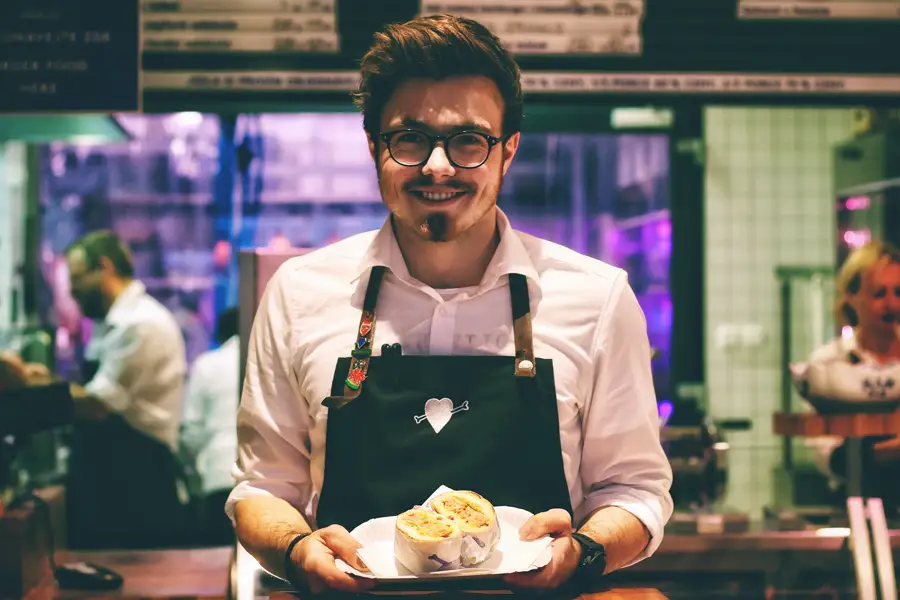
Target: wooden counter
200,574
842,425
203,574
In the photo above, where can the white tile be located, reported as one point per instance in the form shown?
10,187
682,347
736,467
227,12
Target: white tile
768,202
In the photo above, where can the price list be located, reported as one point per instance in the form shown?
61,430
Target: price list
560,27
817,10
240,26
69,56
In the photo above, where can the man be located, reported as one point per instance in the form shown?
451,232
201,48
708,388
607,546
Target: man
122,473
517,368
208,429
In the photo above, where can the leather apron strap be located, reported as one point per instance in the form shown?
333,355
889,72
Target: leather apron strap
361,353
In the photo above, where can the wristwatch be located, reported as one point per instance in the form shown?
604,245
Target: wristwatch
592,566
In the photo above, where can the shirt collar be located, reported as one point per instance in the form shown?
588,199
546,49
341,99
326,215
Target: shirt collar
121,304
511,256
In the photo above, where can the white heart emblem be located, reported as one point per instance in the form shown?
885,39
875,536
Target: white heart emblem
438,412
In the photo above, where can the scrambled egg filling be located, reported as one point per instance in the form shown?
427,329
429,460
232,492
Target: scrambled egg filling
428,524
466,511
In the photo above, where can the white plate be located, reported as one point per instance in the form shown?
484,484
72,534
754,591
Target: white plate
511,555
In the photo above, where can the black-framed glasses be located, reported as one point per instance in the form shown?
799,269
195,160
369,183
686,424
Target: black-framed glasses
465,149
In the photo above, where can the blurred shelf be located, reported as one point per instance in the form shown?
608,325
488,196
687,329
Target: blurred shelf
843,425
643,220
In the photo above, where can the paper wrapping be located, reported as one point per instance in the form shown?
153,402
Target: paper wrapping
428,556
477,546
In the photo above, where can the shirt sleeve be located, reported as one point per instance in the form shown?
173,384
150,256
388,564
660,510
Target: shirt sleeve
194,433
128,348
273,418
623,463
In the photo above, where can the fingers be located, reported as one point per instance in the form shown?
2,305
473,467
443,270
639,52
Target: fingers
344,546
327,577
552,522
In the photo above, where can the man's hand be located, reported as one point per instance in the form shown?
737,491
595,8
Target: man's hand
86,407
37,374
888,451
566,550
314,558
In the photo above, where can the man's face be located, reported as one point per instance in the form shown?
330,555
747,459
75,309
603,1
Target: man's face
438,191
85,285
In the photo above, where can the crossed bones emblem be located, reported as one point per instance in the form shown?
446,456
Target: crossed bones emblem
439,412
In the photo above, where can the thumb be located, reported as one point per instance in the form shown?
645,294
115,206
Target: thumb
344,546
553,522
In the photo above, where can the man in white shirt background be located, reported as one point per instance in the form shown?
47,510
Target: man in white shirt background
447,348
122,472
209,426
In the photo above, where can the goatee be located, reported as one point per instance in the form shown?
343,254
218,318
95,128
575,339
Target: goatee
435,227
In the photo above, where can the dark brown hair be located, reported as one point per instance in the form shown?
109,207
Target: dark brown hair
105,244
436,47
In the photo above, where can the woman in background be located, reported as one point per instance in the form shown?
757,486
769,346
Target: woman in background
868,301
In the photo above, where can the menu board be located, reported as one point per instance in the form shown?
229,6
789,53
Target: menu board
69,56
555,83
240,26
819,9
531,27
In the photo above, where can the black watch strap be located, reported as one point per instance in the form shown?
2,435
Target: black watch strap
288,563
593,558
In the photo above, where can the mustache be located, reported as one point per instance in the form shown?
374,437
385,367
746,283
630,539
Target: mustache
428,181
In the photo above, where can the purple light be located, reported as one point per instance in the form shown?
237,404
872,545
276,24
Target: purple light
857,238
665,409
857,203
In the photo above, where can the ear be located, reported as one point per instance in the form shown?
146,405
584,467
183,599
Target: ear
372,147
509,150
106,266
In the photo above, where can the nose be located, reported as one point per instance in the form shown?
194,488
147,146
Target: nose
438,164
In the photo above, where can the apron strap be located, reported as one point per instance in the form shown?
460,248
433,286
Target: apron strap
362,348
521,314
525,365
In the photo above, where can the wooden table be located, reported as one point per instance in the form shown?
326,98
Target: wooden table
864,513
203,574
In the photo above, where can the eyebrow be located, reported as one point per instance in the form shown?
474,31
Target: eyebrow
476,125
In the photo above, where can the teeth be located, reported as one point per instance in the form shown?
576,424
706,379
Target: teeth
436,197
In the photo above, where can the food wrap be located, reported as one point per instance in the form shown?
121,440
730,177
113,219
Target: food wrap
425,542
479,538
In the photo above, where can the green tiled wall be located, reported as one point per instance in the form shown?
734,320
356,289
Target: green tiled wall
768,202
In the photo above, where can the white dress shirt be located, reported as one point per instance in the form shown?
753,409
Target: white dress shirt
586,319
142,364
210,414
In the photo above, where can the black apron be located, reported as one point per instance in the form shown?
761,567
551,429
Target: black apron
491,426
121,488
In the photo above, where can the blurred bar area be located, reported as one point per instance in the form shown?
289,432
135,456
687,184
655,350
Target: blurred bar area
751,194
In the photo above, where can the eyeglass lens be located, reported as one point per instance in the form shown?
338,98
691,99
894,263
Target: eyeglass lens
464,149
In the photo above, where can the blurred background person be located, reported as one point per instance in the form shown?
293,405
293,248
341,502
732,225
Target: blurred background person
123,477
209,435
868,303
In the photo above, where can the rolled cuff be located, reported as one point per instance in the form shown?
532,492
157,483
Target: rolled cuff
645,506
108,392
285,491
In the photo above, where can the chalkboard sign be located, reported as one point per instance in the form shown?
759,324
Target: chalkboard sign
69,56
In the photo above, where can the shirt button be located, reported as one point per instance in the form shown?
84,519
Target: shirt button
442,310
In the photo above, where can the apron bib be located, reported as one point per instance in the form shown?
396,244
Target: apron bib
400,426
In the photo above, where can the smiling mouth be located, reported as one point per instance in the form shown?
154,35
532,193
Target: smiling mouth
438,196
